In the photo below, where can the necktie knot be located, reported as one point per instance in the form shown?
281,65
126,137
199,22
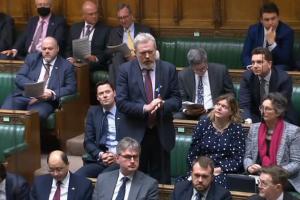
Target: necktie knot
199,196
58,183
125,179
88,30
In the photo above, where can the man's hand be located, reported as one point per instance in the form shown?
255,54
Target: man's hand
154,105
71,60
271,35
33,101
217,171
108,158
46,95
252,169
91,58
11,52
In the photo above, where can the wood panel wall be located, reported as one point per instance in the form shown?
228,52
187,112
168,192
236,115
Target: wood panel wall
169,17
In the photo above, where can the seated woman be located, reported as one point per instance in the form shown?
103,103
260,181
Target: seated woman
221,138
274,141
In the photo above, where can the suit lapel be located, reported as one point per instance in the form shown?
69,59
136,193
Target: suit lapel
54,81
72,188
135,187
158,90
99,115
188,192
8,188
139,75
261,35
111,184
51,25
273,81
79,31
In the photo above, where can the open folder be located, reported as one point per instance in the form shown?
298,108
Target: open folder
34,89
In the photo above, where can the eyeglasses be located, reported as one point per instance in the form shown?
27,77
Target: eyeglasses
123,17
130,157
264,184
265,109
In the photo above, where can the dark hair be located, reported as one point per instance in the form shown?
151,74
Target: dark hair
104,83
196,56
269,7
264,51
278,174
233,106
2,172
279,102
120,6
204,162
63,156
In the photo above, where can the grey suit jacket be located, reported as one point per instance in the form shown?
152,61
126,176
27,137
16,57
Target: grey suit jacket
142,186
219,80
288,155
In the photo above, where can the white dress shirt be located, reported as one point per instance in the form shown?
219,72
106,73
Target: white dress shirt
207,98
64,187
118,185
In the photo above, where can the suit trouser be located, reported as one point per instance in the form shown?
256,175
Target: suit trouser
154,160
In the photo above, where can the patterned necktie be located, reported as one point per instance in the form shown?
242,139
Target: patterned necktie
149,95
130,43
199,196
88,30
47,72
57,192
37,37
105,125
122,190
200,92
262,90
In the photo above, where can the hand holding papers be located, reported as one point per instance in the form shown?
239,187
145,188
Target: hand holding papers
122,48
193,109
34,89
81,48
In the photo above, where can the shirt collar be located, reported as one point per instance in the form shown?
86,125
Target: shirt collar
52,62
113,110
131,28
121,176
46,19
65,181
85,24
267,77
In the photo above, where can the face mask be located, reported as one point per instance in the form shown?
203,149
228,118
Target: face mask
43,11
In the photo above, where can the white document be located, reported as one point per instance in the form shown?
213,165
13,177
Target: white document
81,48
123,48
34,89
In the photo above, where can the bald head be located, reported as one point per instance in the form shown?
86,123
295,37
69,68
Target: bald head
90,12
50,48
58,165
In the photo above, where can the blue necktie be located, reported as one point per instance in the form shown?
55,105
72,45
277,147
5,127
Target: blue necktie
199,196
200,92
105,126
121,193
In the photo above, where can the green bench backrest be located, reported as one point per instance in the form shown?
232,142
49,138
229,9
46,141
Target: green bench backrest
179,155
7,85
11,136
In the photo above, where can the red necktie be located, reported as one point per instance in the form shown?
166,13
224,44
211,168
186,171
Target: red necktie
57,192
149,94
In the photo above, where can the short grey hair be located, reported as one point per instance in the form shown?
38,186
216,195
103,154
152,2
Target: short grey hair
196,56
143,38
128,143
279,102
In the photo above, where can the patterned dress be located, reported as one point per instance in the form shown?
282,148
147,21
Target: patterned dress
226,149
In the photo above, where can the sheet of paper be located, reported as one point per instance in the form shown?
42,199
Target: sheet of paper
34,89
123,48
81,48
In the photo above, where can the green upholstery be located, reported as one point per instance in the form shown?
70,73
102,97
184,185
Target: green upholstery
7,84
219,49
179,155
99,76
12,139
237,90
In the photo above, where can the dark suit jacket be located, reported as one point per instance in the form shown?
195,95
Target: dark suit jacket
98,43
219,80
6,31
94,139
249,96
79,188
286,196
62,80
142,186
131,97
56,29
282,53
116,34
16,187
184,190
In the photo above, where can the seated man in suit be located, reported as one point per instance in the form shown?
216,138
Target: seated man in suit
124,33
127,183
100,133
261,79
202,83
6,32
12,186
37,29
202,185
273,34
272,182
57,73
96,32
60,183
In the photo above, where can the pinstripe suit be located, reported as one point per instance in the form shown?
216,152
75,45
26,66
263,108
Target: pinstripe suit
288,155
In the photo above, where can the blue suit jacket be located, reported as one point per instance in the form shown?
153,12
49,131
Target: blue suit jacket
62,80
94,139
282,53
6,31
98,43
131,97
79,188
184,190
56,29
16,187
249,97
